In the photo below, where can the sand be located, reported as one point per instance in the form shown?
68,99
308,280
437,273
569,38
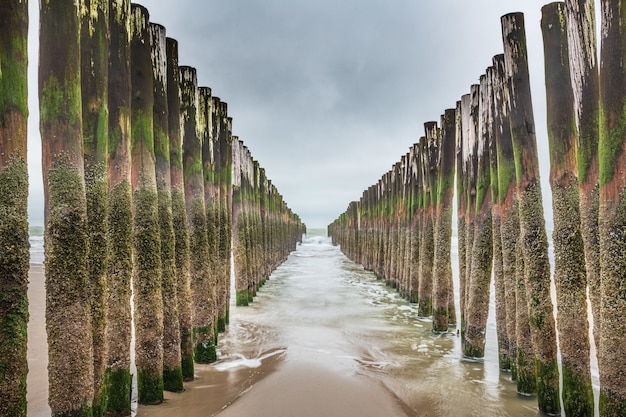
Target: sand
278,387
37,380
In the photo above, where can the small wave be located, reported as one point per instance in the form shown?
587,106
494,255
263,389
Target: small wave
237,360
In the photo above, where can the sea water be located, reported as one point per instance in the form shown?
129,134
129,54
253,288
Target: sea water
320,307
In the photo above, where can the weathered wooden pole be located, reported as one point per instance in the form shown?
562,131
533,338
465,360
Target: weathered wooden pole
504,349
427,242
222,126
172,372
507,208
68,306
148,303
469,114
583,59
120,220
94,52
179,211
612,215
532,225
205,102
238,218
202,310
461,197
569,253
14,245
442,285
477,303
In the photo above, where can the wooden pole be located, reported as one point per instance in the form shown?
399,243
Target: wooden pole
148,302
120,220
205,102
14,245
533,238
202,311
504,349
569,252
477,296
95,41
222,127
507,208
461,197
179,211
442,285
172,372
583,59
68,306
612,215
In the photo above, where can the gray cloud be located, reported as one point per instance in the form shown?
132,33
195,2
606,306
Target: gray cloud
328,95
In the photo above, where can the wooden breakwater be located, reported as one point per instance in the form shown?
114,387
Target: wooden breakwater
501,232
144,183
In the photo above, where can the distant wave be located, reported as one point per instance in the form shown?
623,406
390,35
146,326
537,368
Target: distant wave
35,236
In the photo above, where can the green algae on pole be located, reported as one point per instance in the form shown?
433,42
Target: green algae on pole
477,302
120,221
569,253
442,285
221,127
148,303
179,211
612,215
202,311
532,225
583,59
504,350
172,372
68,307
507,212
241,284
14,245
94,82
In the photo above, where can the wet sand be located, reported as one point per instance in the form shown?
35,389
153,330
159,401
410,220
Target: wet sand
279,389
37,380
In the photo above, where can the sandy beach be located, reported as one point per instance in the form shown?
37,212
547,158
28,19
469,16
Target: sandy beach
277,387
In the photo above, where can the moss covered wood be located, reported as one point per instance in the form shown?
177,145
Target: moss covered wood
95,40
612,214
14,244
202,308
427,145
442,285
477,296
461,199
532,225
148,303
506,204
583,59
241,284
569,253
205,102
172,371
68,308
120,222
222,126
179,211
500,291
469,113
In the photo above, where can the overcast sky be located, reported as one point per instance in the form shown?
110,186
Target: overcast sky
329,94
